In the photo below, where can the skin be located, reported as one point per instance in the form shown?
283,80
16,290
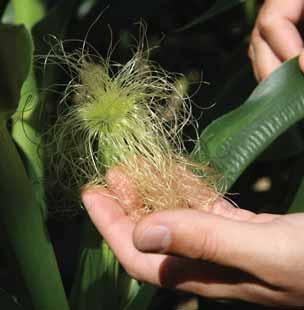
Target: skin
225,252
275,37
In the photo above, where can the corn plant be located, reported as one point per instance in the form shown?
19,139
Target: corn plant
230,144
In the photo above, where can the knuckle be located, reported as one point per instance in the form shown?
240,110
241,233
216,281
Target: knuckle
267,23
209,247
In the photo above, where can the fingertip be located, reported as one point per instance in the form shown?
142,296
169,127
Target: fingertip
274,26
91,195
102,206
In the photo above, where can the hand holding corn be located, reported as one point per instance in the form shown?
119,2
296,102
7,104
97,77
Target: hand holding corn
225,252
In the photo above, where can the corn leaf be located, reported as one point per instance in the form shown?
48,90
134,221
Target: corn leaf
220,6
20,216
232,142
27,121
100,282
28,12
229,96
23,222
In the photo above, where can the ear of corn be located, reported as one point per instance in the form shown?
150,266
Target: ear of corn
130,115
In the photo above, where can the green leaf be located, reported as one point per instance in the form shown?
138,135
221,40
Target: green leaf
232,142
288,145
20,216
24,225
27,122
100,282
220,6
28,12
229,94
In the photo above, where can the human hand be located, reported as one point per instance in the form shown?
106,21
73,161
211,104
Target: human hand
226,253
275,37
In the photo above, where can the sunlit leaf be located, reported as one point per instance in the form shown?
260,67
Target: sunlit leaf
28,12
27,122
232,142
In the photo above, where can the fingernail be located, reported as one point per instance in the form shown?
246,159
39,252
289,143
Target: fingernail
155,239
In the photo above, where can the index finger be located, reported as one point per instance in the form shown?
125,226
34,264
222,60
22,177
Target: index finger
277,24
117,228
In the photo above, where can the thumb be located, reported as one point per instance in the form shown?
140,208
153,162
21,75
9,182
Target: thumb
199,235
